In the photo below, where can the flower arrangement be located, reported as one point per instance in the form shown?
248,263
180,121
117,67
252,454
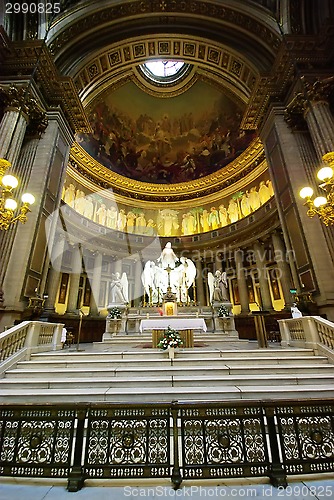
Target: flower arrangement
171,339
114,313
223,312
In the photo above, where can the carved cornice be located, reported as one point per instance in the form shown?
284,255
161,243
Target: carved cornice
57,90
313,91
296,53
20,99
85,165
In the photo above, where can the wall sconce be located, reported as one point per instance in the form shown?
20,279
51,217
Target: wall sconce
322,206
8,204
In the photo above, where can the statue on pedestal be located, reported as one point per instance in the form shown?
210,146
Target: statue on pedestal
117,309
218,287
119,289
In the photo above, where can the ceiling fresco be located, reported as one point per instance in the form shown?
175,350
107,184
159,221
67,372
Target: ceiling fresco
160,140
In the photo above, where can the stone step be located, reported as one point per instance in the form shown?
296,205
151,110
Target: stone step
85,364
172,369
167,380
152,394
158,353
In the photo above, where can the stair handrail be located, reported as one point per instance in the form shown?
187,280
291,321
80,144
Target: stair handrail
20,341
312,332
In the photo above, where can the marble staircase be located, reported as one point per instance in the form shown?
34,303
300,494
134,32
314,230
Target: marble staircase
125,371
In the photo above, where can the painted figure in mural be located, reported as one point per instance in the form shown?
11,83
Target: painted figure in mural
168,257
168,222
101,215
254,199
213,218
140,227
245,205
130,218
223,215
119,289
88,208
218,287
233,210
79,201
270,187
69,195
150,227
264,193
121,221
205,221
188,223
112,217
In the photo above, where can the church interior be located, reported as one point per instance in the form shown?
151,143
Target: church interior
175,161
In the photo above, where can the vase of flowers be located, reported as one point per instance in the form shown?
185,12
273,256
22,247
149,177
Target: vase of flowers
223,312
114,320
170,341
114,313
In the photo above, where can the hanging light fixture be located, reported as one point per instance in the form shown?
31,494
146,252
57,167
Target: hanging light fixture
322,206
8,205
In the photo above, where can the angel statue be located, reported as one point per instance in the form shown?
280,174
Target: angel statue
119,289
218,287
182,277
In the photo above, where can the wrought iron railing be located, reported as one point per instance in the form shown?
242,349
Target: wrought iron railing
178,440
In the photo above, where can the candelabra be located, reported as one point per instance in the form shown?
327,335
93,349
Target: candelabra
8,205
322,206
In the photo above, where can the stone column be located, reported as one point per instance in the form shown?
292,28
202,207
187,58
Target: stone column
261,261
321,126
95,285
138,283
12,129
46,170
200,295
76,268
318,115
282,265
54,273
241,279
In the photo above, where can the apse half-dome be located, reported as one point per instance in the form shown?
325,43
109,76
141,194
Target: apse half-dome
149,138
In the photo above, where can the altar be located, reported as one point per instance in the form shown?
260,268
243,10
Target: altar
185,326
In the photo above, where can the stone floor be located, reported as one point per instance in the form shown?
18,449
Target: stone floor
299,488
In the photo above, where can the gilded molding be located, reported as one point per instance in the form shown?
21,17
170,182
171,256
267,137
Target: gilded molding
88,167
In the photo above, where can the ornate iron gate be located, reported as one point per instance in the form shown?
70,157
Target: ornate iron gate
159,440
